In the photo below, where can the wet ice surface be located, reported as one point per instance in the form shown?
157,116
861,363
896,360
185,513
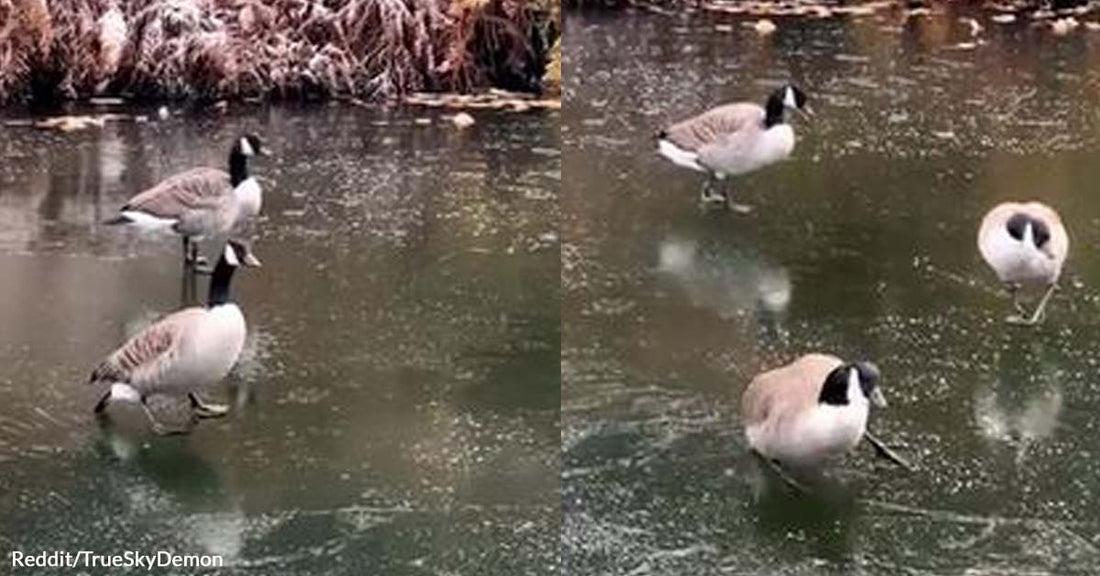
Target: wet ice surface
863,245
397,407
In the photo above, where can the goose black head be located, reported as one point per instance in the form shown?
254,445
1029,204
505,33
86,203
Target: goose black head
244,148
835,390
794,98
786,97
1018,225
233,256
250,145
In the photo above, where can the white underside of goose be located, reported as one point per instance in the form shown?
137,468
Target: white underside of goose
735,154
811,437
249,197
1018,262
746,152
203,356
679,156
207,355
148,222
124,393
825,433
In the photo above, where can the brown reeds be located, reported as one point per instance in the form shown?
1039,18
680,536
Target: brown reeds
218,49
552,81
501,43
553,71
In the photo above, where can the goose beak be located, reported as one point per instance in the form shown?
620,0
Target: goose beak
877,399
251,260
807,112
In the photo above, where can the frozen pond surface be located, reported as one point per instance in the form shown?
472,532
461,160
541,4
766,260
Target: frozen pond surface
397,407
863,244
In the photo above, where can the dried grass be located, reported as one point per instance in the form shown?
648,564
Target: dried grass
217,49
553,71
500,43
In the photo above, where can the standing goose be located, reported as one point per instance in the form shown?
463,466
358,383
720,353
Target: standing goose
200,202
808,412
1026,245
734,139
181,353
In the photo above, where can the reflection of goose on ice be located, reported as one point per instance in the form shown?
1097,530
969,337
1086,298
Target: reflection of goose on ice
729,282
173,489
1030,421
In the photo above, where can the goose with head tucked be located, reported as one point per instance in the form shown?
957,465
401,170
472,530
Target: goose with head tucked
734,139
1026,245
813,410
200,202
182,353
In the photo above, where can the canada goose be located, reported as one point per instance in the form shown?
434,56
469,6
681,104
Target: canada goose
810,411
1026,245
200,202
181,353
734,139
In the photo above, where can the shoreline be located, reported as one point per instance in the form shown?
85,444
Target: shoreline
97,112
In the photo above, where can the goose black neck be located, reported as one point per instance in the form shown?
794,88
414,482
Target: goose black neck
238,167
219,283
773,111
834,391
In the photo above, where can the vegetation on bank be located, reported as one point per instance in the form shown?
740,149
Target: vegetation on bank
217,49
553,72
799,7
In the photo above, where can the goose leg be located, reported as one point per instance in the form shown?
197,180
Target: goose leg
198,262
707,196
204,410
1015,290
783,474
1020,316
1023,320
188,290
1041,309
158,428
187,251
737,208
726,198
197,258
883,450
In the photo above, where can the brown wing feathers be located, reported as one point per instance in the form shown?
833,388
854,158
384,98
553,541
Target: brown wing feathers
143,348
706,128
196,188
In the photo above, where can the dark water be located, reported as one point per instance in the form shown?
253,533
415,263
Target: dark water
397,407
863,244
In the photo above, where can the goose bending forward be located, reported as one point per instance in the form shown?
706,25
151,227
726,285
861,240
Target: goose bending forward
183,352
811,411
1026,245
200,202
734,139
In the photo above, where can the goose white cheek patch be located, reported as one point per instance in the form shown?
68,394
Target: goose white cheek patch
854,388
788,99
231,256
246,148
